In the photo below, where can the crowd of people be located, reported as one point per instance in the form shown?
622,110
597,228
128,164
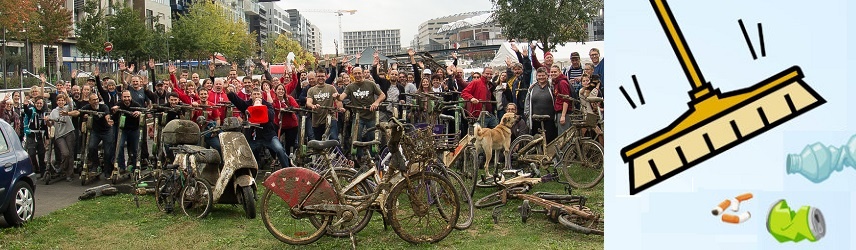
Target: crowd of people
117,103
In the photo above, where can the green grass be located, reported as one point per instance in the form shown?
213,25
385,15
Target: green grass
115,223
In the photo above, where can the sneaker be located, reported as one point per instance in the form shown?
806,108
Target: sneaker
68,179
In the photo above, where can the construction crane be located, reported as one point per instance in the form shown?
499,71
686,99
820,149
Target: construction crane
338,13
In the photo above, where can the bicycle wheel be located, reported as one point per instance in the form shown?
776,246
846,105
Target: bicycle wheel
164,193
582,225
518,150
583,169
197,199
362,218
466,166
465,220
423,208
288,227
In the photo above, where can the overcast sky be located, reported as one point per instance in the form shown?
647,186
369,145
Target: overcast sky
379,14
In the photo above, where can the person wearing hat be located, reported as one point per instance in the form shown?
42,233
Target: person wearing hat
260,112
574,74
548,59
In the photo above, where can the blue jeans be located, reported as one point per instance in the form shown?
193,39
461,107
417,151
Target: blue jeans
213,141
274,145
319,131
105,137
489,122
309,132
364,125
132,138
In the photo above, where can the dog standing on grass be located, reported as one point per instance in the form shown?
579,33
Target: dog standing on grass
490,139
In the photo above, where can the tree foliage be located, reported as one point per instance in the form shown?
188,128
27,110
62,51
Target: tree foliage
276,50
91,30
54,22
207,29
128,34
17,16
551,22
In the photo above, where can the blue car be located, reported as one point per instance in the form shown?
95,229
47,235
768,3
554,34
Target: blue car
17,180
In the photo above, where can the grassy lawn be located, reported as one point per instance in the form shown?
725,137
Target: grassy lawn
115,223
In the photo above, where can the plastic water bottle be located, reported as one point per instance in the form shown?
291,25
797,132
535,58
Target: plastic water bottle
816,162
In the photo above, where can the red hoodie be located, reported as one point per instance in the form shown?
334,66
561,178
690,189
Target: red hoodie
181,94
215,98
289,120
291,85
561,86
476,89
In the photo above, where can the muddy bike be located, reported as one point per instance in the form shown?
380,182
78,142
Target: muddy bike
177,184
578,159
568,210
303,210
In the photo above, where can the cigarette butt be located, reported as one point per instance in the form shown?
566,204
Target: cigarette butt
721,207
744,197
735,219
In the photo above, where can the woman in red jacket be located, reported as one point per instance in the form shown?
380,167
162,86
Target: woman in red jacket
287,121
562,106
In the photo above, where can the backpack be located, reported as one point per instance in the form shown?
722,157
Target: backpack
27,121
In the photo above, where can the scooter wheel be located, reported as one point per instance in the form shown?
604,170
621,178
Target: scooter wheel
47,178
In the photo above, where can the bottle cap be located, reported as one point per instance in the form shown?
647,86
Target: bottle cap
794,163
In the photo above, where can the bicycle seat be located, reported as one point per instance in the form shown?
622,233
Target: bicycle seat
201,154
366,143
320,145
540,117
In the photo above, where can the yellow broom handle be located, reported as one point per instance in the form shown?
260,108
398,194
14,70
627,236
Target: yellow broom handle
678,43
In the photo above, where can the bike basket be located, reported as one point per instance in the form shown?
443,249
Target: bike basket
178,132
419,148
441,139
590,120
338,160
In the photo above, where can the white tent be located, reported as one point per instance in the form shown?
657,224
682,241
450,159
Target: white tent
563,53
503,52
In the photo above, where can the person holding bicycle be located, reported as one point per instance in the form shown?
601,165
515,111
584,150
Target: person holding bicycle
130,131
101,132
363,94
323,94
477,91
540,101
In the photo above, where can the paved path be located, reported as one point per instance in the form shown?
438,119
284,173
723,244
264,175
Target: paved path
58,195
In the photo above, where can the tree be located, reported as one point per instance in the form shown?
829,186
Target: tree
129,34
16,16
551,22
156,46
91,30
207,29
276,49
54,22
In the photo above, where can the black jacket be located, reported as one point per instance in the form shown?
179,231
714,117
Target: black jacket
268,129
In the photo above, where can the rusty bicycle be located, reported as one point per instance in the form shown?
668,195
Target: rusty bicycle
299,205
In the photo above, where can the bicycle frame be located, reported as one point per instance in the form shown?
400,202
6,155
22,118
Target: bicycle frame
550,150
